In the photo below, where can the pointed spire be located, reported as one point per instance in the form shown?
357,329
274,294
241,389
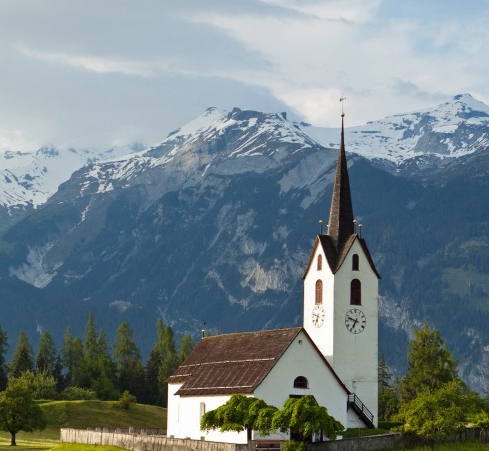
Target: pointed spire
340,225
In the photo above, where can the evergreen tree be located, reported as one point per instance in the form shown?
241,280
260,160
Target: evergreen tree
186,346
430,364
58,374
3,362
46,356
130,371
22,357
104,371
168,363
72,357
161,364
90,340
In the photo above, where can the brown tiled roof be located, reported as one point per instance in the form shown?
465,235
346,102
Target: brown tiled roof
232,363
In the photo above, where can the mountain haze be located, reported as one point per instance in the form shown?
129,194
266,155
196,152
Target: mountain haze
213,228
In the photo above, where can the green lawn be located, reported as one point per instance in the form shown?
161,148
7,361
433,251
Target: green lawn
82,415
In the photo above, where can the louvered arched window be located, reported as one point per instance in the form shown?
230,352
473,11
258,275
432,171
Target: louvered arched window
354,262
320,262
355,292
319,292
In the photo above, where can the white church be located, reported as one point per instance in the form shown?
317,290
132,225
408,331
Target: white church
333,356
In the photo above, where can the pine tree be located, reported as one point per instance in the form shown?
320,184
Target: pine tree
72,357
22,357
430,364
46,356
130,371
186,346
161,364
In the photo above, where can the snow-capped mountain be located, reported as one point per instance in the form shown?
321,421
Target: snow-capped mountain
455,128
215,224
28,179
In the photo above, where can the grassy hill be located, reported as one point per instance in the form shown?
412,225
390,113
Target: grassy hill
82,415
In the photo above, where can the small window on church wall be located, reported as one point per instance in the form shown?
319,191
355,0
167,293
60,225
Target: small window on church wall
202,409
355,292
300,382
319,292
320,262
354,262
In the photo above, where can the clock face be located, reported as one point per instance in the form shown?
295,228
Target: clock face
355,321
318,315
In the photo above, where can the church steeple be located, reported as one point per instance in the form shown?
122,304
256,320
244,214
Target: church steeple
340,225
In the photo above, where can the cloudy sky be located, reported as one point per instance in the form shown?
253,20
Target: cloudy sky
98,73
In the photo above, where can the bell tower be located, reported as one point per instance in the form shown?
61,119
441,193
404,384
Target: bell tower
341,295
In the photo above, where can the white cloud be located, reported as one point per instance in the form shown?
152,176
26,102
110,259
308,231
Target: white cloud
93,73
91,63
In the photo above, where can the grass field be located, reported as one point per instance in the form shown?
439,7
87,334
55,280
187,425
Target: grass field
92,414
84,414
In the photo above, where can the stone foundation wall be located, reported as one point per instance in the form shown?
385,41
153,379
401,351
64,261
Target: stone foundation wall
372,443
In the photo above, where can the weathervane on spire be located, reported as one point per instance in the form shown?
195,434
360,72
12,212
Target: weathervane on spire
342,99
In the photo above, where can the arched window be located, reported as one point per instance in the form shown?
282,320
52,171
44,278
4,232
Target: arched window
320,262
355,292
319,292
354,262
300,382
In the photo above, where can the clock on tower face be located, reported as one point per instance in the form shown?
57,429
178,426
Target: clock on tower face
318,315
355,321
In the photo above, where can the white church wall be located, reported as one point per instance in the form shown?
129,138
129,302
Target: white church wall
356,355
302,359
185,412
322,340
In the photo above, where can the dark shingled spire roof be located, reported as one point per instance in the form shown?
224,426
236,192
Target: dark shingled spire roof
340,225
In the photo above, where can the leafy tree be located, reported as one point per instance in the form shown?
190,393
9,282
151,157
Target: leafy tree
78,393
304,416
3,362
481,420
430,364
19,411
22,357
435,413
46,356
388,394
41,385
238,414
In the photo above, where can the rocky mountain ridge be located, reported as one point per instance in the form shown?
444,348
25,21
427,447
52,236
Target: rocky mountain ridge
215,224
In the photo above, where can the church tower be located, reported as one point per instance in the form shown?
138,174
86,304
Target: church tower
341,296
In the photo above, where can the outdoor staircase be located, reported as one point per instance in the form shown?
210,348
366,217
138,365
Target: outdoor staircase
363,413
